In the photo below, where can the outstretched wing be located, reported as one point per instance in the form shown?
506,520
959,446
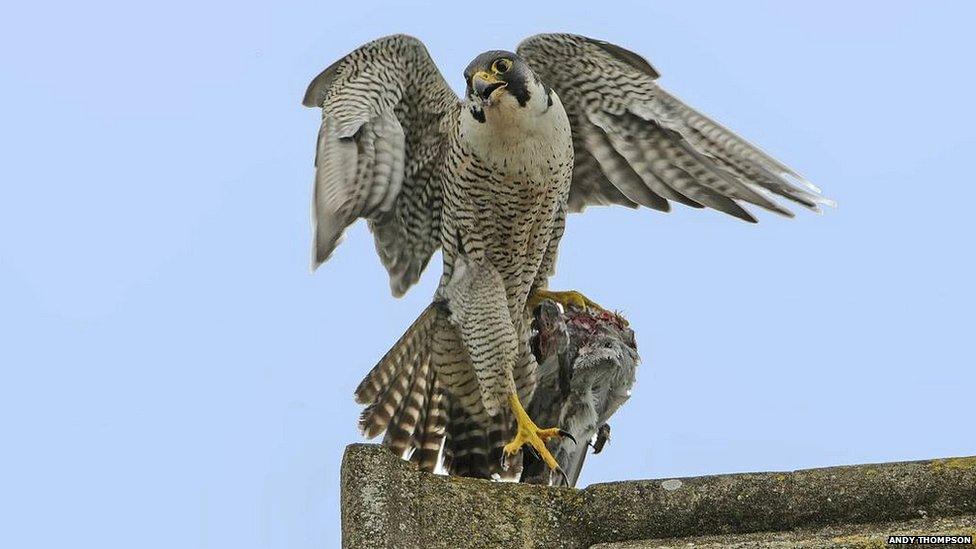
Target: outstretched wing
385,109
636,144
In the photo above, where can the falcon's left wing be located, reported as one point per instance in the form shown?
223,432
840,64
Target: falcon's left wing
636,144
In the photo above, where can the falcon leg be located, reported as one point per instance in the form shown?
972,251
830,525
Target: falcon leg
566,299
527,432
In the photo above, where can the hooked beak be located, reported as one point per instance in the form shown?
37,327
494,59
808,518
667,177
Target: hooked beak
484,84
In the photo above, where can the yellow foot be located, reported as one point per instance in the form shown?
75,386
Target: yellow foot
566,299
528,433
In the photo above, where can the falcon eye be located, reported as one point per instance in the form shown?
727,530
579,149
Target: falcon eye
501,66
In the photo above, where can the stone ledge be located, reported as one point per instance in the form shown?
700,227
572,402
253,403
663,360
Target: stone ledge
387,504
842,536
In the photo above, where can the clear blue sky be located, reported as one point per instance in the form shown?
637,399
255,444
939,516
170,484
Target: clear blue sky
173,376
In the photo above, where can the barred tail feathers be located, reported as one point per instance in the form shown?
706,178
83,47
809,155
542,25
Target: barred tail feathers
424,406
429,435
403,397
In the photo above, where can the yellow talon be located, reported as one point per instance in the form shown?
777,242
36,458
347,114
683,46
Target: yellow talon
569,298
527,432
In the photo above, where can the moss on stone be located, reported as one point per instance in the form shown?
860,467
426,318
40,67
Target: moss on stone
954,463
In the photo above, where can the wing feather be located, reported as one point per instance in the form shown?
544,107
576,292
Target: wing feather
379,153
649,146
591,186
617,170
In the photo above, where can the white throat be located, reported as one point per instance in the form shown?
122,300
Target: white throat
514,134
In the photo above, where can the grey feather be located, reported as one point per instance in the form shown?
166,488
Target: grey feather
587,370
380,152
680,154
633,59
617,170
320,85
591,185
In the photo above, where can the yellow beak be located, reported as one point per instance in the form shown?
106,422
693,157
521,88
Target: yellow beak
484,84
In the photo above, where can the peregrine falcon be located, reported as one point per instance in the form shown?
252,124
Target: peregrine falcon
563,123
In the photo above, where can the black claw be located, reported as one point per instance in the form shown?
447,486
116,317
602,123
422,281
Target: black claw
566,434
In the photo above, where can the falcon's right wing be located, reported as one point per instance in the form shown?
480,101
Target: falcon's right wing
379,154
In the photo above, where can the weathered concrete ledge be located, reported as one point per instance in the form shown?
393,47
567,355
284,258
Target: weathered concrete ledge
842,536
387,504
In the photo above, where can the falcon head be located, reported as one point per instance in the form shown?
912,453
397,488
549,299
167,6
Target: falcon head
497,78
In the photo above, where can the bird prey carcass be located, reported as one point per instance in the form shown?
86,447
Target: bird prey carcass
563,123
587,368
